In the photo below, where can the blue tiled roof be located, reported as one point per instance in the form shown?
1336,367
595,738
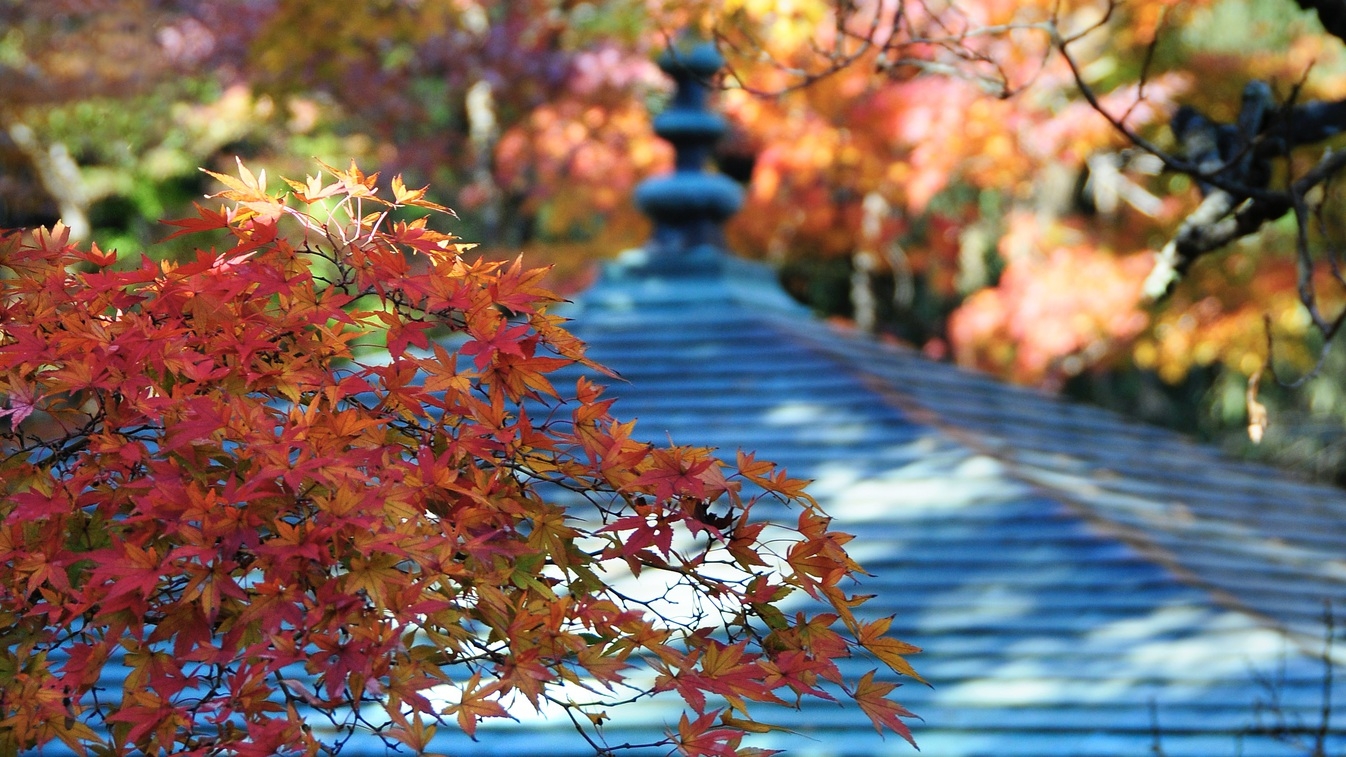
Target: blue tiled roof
1079,582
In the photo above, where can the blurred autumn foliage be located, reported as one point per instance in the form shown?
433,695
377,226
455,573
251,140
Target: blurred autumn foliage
944,162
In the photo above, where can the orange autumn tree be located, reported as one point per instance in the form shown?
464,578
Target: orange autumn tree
213,485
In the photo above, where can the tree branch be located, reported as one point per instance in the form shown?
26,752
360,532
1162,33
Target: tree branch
59,174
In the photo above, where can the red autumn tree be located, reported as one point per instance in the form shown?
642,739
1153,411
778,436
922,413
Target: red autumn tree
325,471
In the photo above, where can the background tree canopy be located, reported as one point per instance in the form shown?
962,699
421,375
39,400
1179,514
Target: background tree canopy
941,172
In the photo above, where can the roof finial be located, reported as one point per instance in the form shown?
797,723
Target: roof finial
689,206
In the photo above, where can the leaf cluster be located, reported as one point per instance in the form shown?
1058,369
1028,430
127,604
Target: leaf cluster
279,538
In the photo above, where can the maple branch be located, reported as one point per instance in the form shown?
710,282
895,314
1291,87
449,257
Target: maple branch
601,748
365,506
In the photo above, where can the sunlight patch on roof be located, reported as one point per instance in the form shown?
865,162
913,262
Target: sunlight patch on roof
915,490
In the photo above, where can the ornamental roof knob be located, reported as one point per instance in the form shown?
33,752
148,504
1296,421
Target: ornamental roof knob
690,205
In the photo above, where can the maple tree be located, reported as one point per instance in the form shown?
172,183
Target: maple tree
328,466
